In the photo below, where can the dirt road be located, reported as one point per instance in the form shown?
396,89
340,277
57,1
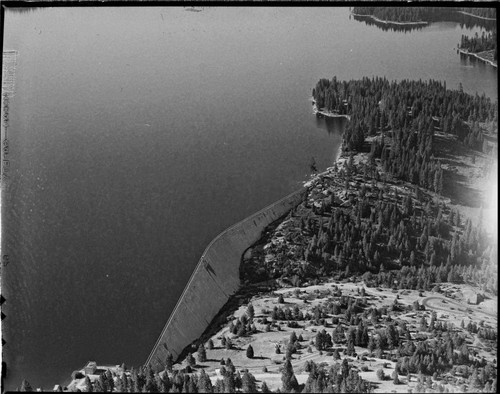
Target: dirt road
436,302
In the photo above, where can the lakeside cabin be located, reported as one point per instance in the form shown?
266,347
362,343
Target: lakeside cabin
92,371
90,368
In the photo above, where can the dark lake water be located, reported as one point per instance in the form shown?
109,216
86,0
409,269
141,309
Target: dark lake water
138,134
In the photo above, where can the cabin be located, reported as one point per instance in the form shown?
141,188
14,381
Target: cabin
90,368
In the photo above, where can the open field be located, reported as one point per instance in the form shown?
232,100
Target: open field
449,303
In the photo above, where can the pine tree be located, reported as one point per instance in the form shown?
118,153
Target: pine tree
191,360
250,351
219,386
140,380
229,383
191,384
288,377
250,311
150,385
237,380
230,366
202,353
88,385
121,382
169,361
185,384
264,388
395,377
99,384
345,368
248,383
372,344
204,383
164,383
110,383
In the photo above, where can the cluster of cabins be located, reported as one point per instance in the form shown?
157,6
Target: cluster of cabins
93,371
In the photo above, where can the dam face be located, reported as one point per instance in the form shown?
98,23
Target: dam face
215,278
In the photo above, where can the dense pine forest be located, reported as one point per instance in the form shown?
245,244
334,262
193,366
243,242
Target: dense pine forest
405,114
378,229
384,220
370,222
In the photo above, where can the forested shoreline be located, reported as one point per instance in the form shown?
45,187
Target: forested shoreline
380,216
407,19
407,112
398,14
476,44
420,14
374,227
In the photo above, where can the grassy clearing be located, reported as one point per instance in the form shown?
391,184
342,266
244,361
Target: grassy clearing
450,304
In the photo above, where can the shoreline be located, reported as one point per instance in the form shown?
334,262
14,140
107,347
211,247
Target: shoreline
392,22
476,56
328,114
476,16
338,162
223,254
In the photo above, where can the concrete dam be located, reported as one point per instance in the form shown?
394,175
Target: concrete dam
214,280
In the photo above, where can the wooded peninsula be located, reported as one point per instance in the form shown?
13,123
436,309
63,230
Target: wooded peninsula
421,14
371,283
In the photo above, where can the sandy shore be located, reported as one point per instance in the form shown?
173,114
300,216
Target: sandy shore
479,57
391,22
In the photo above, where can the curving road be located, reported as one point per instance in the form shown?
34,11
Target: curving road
460,307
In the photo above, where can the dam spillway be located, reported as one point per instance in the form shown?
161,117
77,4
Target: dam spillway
214,280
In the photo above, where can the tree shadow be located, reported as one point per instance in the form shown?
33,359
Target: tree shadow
454,187
452,149
213,360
